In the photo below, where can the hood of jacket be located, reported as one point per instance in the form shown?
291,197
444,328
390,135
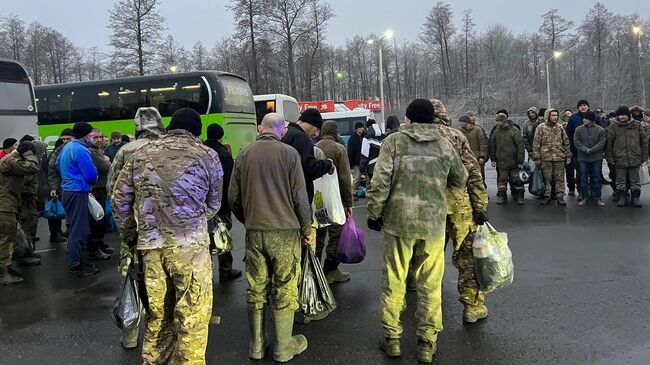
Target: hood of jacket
148,120
534,110
440,115
547,113
330,129
421,132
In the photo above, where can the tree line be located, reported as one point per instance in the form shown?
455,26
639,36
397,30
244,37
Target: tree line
281,46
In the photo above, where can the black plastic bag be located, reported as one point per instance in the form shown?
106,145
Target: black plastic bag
536,186
129,309
315,296
24,248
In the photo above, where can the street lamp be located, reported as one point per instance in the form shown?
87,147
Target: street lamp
173,69
639,32
556,55
388,34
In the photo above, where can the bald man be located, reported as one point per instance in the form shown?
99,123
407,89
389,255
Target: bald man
277,218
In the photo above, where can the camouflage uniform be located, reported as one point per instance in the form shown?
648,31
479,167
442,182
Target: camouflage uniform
461,203
528,132
507,150
29,198
415,167
551,147
14,170
162,200
627,149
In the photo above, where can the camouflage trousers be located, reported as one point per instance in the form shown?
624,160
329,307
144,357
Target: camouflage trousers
554,171
461,230
427,257
8,231
29,216
273,268
503,179
179,287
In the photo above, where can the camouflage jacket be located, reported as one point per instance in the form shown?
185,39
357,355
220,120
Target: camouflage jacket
415,167
507,147
551,143
167,191
14,170
627,144
32,181
528,133
473,196
477,141
123,156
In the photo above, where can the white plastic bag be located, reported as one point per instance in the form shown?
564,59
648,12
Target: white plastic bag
327,205
492,259
96,209
644,175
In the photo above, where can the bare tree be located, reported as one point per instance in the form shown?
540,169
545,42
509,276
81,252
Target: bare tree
437,32
199,57
247,16
13,37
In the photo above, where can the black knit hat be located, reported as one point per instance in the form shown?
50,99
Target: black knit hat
8,143
215,131
313,117
624,110
27,138
358,125
420,111
81,129
589,115
186,119
542,112
503,111
583,102
67,132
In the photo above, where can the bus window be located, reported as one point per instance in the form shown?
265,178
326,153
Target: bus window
59,107
262,108
291,111
237,95
15,96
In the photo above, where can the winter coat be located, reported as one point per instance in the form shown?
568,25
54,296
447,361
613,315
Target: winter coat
590,143
528,132
507,147
576,121
111,150
78,173
627,144
13,171
102,165
551,143
477,141
337,153
354,150
227,163
415,167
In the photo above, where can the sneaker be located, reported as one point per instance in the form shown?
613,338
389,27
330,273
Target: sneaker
337,276
8,279
582,203
83,270
600,203
391,346
98,255
30,261
229,275
14,272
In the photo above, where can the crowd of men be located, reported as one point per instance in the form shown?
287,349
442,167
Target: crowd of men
425,185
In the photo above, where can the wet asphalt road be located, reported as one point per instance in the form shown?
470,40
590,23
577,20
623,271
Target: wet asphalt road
580,296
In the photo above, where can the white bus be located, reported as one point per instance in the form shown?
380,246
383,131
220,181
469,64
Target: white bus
284,105
18,115
346,120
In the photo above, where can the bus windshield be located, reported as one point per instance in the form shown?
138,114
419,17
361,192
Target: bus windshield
15,97
237,95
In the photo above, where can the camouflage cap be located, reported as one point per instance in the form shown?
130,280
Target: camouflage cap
440,111
502,117
149,119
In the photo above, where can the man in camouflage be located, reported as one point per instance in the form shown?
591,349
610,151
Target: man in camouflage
408,199
638,114
15,167
528,131
466,208
277,218
507,153
477,140
148,127
552,152
162,201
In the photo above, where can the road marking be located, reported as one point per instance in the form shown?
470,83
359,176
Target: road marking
47,250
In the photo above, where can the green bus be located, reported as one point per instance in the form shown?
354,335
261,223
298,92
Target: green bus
109,105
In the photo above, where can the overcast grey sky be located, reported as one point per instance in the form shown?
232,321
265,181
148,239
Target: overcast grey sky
84,21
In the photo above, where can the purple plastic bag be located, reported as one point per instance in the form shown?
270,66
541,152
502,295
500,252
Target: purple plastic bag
352,246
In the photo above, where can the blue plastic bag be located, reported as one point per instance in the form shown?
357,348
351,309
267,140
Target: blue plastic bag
54,209
112,227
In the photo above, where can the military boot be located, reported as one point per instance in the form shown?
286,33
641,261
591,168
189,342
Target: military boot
502,197
636,198
337,276
473,313
390,346
6,278
622,198
561,202
287,346
258,342
520,197
426,350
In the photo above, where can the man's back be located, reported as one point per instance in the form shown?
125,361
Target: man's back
76,167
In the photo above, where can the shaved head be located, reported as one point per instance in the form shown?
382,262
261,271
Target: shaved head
273,123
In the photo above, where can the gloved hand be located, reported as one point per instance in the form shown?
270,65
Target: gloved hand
125,261
480,218
24,147
375,225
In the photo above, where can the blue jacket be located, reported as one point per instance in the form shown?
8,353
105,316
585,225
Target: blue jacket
576,121
78,173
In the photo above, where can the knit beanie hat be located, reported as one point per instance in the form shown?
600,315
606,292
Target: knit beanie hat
81,129
502,117
420,111
589,115
624,110
313,117
358,125
542,112
503,111
215,131
8,143
27,138
186,119
67,132
583,102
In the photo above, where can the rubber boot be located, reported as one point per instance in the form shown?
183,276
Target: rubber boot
622,198
426,350
257,343
520,197
6,278
287,346
502,197
391,346
636,198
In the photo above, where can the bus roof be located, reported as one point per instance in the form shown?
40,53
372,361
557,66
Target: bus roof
347,113
267,97
139,78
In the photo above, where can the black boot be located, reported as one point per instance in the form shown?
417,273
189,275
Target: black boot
622,198
636,198
519,196
502,197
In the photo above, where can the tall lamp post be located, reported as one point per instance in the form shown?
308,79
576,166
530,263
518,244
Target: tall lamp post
387,35
556,55
639,32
